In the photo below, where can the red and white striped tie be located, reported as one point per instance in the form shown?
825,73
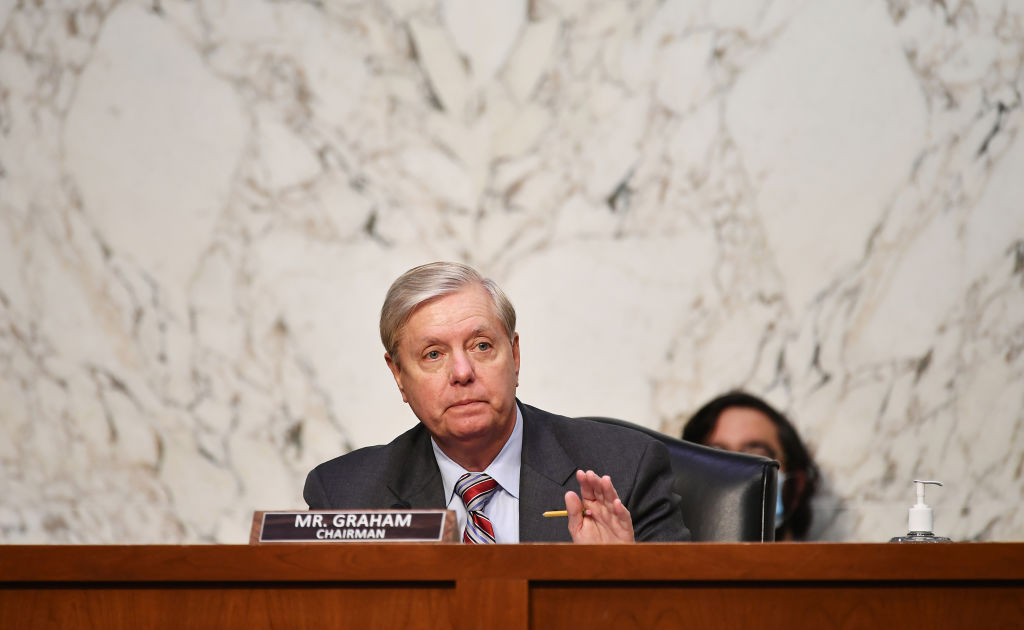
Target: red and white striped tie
476,489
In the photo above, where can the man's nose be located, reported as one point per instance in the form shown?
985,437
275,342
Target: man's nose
461,368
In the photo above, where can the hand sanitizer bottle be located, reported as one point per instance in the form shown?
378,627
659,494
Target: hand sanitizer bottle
919,522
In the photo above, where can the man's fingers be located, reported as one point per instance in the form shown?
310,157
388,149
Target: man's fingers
597,485
586,481
596,488
575,509
621,513
586,486
606,520
608,490
574,506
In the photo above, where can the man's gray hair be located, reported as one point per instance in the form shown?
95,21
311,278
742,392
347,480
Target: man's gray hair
427,282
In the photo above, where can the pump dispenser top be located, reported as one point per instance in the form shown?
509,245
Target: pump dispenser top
920,521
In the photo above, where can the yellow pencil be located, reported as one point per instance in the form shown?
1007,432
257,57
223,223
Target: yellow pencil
557,513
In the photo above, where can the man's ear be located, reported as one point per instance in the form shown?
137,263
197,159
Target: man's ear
396,372
515,354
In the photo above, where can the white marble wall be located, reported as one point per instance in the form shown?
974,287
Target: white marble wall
202,203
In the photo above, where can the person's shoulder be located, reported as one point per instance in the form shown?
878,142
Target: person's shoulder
588,428
361,478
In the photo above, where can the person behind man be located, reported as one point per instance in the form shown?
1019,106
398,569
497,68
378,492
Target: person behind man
738,421
450,343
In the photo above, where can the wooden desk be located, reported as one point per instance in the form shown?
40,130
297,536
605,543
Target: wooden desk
786,586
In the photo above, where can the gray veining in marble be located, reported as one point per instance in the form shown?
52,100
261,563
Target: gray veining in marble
202,204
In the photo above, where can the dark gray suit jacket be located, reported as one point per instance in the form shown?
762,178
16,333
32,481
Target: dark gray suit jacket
404,474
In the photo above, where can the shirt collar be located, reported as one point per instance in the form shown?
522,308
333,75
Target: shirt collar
504,469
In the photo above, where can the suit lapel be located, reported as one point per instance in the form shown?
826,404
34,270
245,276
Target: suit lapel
545,475
547,472
418,483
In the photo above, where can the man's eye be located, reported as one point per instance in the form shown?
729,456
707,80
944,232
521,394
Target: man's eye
433,355
483,345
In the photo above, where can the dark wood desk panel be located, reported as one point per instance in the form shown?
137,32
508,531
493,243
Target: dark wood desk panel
770,605
219,605
514,586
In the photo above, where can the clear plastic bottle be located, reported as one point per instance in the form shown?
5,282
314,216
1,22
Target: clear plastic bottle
920,520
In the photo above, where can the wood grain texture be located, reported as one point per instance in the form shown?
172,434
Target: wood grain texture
226,606
513,587
399,561
769,606
495,604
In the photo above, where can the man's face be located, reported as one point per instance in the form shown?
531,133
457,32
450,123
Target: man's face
458,370
746,430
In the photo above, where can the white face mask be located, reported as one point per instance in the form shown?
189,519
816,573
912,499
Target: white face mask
780,511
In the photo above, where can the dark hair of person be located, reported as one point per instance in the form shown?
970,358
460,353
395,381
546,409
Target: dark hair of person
798,460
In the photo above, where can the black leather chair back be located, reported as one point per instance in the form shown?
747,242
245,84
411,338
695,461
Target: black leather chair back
727,497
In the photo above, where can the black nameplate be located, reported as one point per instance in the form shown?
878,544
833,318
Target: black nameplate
354,526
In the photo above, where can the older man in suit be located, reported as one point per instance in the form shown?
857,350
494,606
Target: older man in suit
450,342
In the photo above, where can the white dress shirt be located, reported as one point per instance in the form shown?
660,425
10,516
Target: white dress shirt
503,508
